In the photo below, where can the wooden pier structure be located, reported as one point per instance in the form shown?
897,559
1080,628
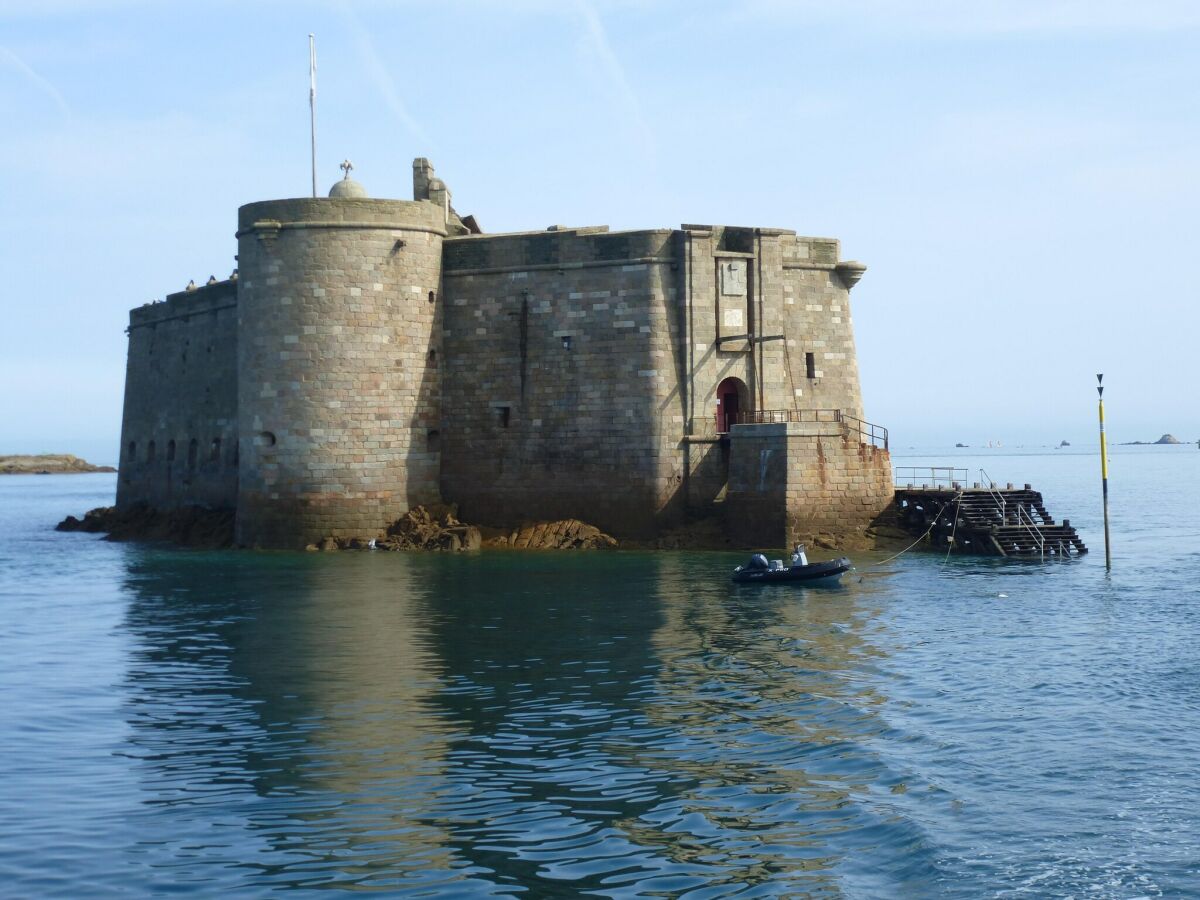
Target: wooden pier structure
981,517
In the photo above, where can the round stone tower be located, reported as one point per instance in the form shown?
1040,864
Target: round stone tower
338,392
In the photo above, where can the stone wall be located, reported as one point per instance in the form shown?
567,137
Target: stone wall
179,427
339,401
816,317
772,284
561,378
367,361
797,481
622,427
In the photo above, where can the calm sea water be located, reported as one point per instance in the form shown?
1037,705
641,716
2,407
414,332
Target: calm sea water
612,725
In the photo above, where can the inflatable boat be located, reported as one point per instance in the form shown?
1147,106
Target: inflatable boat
760,571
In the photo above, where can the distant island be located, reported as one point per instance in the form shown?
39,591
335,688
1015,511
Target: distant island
1165,439
48,464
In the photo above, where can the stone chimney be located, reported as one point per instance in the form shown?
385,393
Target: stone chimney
422,175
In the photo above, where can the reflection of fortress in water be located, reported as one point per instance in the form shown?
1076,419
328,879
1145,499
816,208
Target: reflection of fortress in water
374,733
371,355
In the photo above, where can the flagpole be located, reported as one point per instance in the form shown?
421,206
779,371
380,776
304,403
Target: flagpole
312,106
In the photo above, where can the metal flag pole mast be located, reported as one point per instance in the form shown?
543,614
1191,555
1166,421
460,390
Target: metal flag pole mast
312,106
1104,471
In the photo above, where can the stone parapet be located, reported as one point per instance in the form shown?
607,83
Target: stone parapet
349,213
567,248
202,299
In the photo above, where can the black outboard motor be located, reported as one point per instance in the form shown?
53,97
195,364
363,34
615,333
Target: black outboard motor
758,561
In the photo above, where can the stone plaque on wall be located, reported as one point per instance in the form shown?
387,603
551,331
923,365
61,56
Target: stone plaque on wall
733,277
732,318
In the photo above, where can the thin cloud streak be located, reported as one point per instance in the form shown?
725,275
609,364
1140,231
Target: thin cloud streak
14,62
384,83
615,75
984,18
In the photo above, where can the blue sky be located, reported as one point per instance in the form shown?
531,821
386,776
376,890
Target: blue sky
1021,177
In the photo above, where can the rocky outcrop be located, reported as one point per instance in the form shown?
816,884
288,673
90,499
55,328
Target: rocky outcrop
1165,439
190,526
431,528
438,528
565,534
48,464
421,528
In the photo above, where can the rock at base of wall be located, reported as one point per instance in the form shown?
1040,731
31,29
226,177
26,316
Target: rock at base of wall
190,526
438,528
421,528
429,528
564,534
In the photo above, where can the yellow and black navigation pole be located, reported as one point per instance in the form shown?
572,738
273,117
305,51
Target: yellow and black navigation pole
1104,471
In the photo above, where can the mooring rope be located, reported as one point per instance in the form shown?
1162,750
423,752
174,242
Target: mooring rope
941,509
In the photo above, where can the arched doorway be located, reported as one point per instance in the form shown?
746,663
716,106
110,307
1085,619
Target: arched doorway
732,397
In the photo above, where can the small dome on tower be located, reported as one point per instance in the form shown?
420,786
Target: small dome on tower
347,187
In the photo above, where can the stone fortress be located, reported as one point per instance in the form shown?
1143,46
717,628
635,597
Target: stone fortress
368,356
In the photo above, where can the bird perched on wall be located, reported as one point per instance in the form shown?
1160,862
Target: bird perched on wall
212,279
191,285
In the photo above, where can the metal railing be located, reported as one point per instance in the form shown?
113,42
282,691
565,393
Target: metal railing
867,433
930,476
875,435
778,416
1023,517
997,497
1026,520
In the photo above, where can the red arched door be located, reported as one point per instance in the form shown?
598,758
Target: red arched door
729,403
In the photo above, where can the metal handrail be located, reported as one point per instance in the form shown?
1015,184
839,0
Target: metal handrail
1033,528
937,476
867,433
872,433
779,416
997,497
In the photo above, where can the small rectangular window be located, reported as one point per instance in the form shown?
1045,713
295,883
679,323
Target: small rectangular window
504,412
810,364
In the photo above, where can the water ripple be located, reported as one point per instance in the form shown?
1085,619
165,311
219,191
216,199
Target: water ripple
616,725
